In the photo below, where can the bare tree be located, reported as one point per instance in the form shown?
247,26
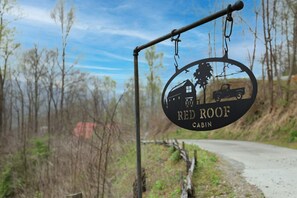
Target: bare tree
155,63
65,19
268,50
7,49
20,105
254,31
34,69
48,83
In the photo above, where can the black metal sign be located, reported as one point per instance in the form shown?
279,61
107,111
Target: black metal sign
209,94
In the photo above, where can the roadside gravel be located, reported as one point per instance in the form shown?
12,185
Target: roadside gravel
233,175
272,169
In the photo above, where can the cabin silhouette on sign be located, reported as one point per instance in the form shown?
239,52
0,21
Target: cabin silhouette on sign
182,96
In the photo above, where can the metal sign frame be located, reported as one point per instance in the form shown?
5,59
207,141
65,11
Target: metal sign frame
235,7
183,107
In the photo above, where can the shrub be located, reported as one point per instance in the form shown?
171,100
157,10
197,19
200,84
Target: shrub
159,185
293,136
39,150
15,174
6,183
171,149
175,157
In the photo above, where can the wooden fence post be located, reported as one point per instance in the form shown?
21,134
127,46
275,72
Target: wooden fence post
143,178
195,157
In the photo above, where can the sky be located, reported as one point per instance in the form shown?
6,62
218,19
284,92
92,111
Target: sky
105,33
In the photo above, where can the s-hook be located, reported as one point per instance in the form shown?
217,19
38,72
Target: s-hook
229,19
176,41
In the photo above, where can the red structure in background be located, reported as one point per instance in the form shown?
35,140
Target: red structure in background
84,129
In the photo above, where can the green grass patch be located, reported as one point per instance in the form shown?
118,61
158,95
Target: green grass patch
175,156
165,172
208,179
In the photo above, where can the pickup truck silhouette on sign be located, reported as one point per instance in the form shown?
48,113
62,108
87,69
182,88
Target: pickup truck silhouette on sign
226,92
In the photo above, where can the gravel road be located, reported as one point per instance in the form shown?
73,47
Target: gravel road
272,169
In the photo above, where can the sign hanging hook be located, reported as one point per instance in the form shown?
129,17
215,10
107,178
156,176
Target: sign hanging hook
176,41
227,36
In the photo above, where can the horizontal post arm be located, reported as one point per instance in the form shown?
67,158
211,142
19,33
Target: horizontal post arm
235,7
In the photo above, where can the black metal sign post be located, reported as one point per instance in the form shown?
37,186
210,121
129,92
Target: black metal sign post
237,6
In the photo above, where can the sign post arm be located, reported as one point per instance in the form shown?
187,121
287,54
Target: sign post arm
235,7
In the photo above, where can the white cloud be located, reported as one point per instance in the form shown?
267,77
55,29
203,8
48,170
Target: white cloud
104,24
114,30
97,67
35,14
41,16
114,56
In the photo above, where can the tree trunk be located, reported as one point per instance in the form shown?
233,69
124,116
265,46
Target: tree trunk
36,106
267,41
1,107
62,87
293,62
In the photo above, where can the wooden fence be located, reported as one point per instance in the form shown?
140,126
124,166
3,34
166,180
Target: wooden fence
187,186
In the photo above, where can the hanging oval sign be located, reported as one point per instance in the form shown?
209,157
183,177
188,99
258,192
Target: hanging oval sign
209,94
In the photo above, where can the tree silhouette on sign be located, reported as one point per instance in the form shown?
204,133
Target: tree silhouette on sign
202,75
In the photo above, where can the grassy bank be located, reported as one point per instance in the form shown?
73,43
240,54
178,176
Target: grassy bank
281,136
164,171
